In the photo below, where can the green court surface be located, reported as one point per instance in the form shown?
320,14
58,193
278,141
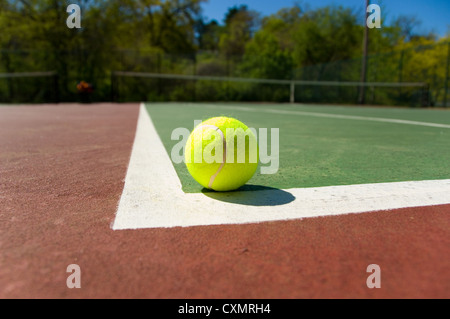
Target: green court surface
327,145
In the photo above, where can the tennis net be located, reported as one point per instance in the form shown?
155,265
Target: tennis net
29,87
137,86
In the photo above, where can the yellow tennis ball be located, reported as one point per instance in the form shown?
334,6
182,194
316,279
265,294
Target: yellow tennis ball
222,154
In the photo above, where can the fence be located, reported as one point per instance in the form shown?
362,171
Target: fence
415,76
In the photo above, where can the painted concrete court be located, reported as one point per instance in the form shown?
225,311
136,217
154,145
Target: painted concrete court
153,196
64,169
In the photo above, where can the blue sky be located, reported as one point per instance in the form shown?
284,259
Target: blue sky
434,14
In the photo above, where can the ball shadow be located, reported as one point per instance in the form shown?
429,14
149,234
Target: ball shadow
254,195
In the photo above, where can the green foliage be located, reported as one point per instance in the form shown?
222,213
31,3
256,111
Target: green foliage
171,36
238,31
325,35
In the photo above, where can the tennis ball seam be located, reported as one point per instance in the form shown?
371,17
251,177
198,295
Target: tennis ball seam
224,142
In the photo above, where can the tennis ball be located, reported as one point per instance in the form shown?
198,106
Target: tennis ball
221,154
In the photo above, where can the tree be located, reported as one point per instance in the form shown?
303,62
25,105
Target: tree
240,24
208,35
325,35
265,56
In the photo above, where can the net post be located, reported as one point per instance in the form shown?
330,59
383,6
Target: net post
56,86
425,95
292,96
194,86
363,76
112,87
447,75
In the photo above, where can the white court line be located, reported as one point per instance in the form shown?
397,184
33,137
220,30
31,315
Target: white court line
329,115
152,196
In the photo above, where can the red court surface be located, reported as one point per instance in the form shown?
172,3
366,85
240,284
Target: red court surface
62,170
